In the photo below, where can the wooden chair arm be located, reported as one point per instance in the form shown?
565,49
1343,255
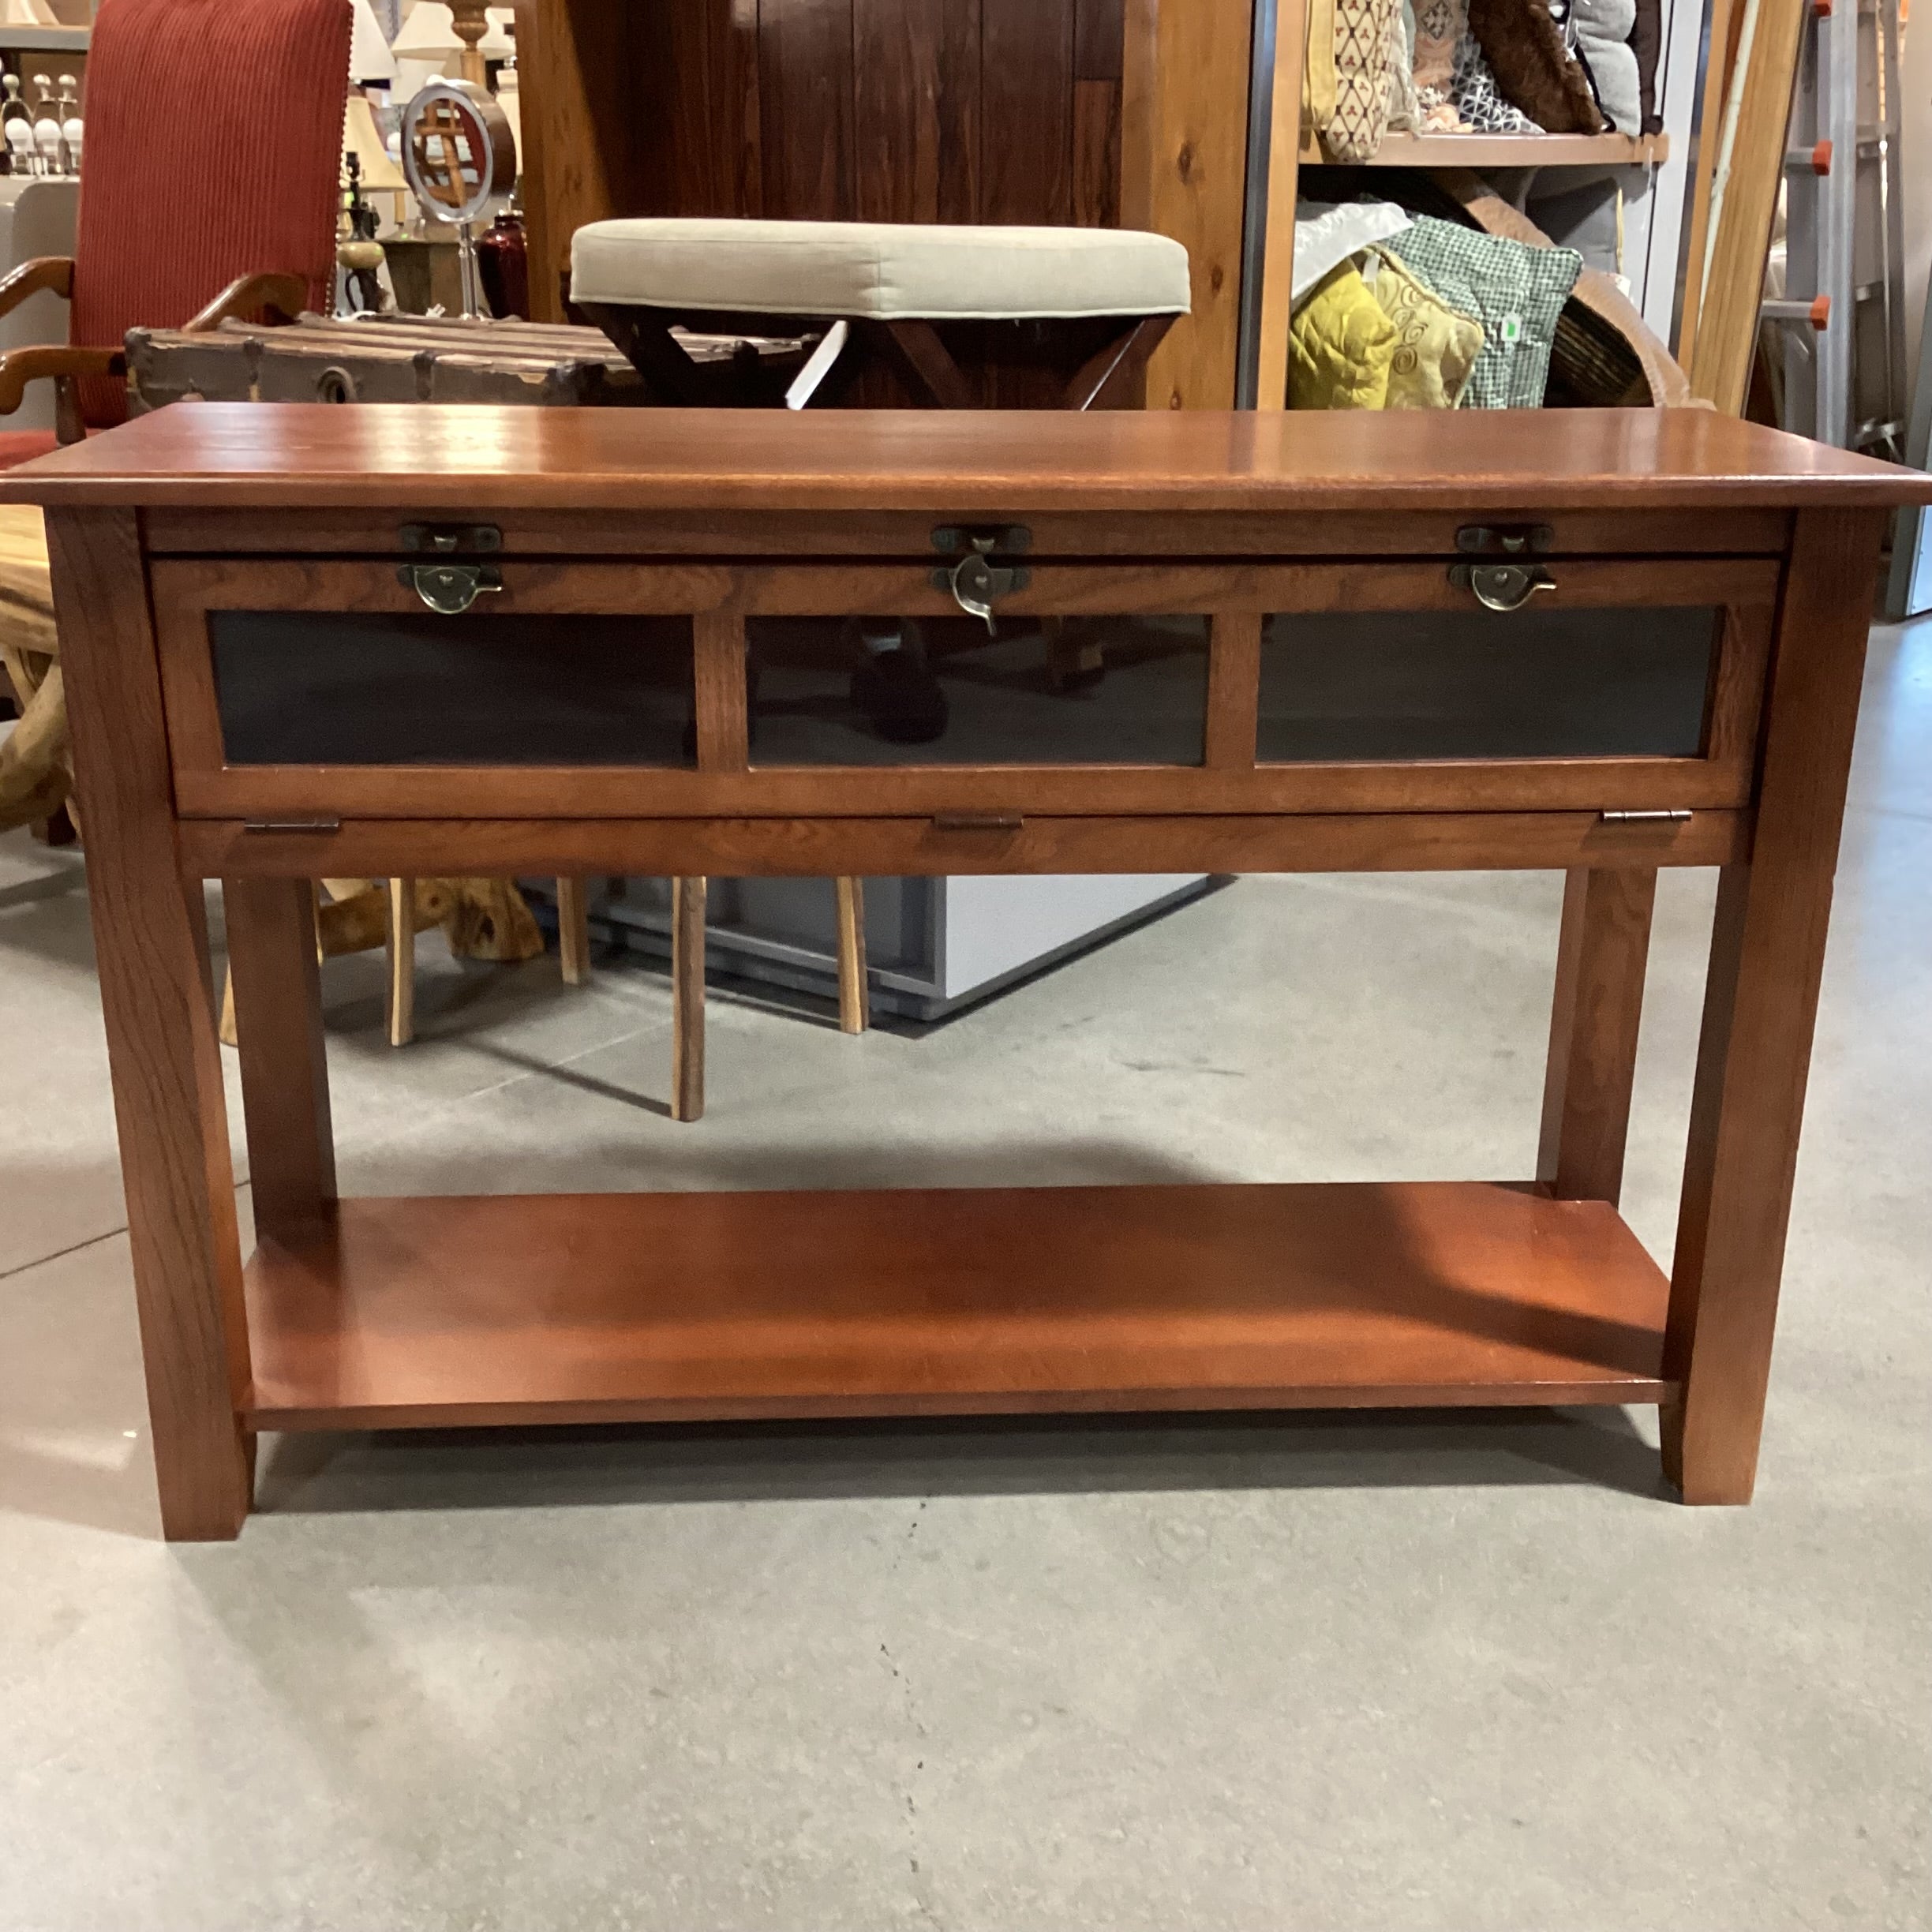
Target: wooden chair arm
45,271
19,367
280,295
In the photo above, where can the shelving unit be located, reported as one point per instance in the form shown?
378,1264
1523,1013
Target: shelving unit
44,39
1282,147
1487,150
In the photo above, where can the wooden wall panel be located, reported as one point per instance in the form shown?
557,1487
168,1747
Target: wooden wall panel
1098,33
1026,111
805,108
1096,154
1097,113
1184,167
915,110
574,63
711,164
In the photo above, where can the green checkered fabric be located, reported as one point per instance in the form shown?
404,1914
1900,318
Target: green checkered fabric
1515,291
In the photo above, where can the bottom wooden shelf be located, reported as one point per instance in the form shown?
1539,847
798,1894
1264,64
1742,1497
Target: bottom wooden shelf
402,1313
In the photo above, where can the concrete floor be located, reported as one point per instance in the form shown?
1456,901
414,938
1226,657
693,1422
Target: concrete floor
1389,1674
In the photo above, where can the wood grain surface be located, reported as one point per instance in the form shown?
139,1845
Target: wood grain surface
919,847
150,939
1184,167
1628,532
285,1095
1598,1005
424,1311
1760,1006
470,458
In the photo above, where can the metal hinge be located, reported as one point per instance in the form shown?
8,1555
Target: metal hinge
977,821
1677,815
291,825
1504,539
1010,539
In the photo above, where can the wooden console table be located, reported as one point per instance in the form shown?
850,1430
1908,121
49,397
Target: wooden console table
304,642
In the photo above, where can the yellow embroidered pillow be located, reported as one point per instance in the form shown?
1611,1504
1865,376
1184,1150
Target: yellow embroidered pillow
1340,345
1436,346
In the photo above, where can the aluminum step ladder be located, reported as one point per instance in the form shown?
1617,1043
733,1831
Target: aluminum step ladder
1843,306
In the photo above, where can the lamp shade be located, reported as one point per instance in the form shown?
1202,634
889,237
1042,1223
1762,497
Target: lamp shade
362,138
429,33
499,43
369,58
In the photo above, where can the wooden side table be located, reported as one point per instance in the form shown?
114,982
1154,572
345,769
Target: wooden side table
1599,642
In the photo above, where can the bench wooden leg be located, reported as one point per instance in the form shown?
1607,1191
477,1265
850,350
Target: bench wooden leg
401,953
573,930
687,998
855,994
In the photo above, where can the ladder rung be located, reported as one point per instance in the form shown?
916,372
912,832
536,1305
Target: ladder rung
1816,312
1817,159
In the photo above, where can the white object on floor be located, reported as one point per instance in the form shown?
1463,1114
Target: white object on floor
880,270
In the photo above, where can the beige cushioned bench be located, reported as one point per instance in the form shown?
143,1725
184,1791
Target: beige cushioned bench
885,271
946,315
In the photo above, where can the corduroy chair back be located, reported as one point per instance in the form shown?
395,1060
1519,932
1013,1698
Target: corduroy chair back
214,150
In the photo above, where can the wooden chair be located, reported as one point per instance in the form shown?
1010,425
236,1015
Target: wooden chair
188,219
188,214
36,762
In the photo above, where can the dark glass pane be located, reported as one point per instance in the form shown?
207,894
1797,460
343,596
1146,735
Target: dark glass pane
301,687
1485,684
1099,691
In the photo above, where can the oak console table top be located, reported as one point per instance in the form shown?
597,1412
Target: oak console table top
310,641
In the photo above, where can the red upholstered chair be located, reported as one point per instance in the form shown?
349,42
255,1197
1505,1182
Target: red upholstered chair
214,150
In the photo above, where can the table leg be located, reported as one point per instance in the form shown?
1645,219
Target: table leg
1600,958
278,994
162,1055
1760,1003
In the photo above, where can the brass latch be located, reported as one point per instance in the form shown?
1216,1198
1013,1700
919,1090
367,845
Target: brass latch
450,589
1502,586
981,575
